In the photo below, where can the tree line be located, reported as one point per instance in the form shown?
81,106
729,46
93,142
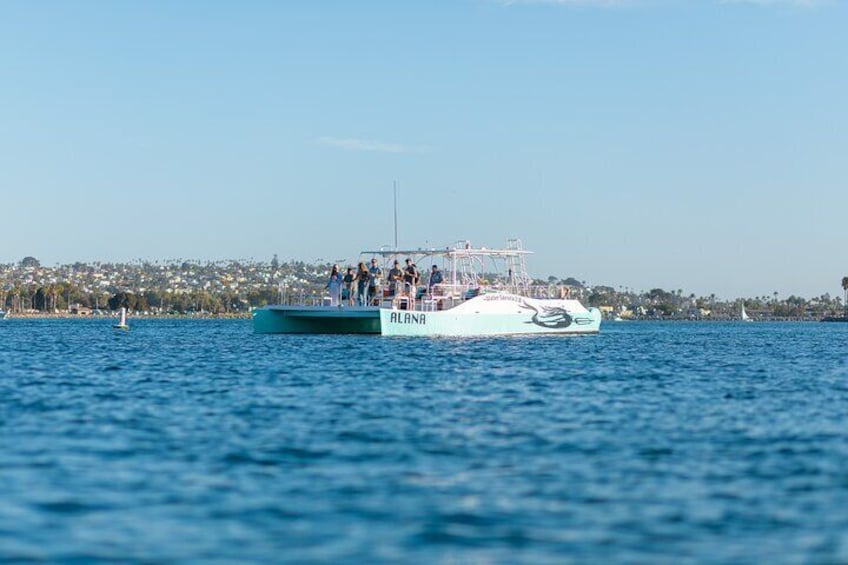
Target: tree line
61,297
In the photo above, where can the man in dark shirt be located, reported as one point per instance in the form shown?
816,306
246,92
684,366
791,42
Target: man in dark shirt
395,278
347,289
410,275
436,278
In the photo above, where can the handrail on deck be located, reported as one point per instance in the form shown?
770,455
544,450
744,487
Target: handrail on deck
408,296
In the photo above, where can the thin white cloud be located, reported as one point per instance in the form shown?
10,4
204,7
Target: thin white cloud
356,144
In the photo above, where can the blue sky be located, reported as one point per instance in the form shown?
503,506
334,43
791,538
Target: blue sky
699,144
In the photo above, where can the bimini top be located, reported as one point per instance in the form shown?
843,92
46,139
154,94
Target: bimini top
466,263
460,249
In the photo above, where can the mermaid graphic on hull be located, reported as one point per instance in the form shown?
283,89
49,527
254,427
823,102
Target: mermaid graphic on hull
553,317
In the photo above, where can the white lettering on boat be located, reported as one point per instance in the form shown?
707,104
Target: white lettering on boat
498,298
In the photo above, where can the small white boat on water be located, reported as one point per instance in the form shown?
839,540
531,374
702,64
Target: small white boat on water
465,302
744,315
122,322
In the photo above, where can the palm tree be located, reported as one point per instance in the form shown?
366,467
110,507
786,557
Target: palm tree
16,297
31,290
56,291
845,290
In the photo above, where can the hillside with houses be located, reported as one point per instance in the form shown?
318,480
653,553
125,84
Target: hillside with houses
235,287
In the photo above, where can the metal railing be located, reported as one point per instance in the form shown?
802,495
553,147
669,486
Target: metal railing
405,296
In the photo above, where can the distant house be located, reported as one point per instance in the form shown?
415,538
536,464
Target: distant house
79,310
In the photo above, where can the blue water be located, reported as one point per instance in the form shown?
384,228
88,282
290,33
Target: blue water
185,441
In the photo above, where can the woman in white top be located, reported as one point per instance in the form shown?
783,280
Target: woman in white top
334,285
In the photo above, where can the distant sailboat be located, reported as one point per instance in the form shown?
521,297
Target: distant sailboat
745,316
122,324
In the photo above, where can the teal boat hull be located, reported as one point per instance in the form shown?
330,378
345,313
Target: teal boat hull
316,320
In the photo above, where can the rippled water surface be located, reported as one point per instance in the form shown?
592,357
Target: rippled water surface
200,441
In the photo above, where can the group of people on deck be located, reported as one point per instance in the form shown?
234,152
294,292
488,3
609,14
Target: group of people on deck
362,287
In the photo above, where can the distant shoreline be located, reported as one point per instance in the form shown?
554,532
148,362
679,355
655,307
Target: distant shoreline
247,316
68,316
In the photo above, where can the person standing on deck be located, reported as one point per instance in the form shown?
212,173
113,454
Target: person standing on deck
395,278
436,278
348,290
410,276
374,282
362,278
334,285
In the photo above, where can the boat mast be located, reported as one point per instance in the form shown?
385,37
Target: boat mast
394,185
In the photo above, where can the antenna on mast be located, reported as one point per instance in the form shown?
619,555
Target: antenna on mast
394,186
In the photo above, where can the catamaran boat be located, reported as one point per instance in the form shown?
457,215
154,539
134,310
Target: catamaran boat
483,292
